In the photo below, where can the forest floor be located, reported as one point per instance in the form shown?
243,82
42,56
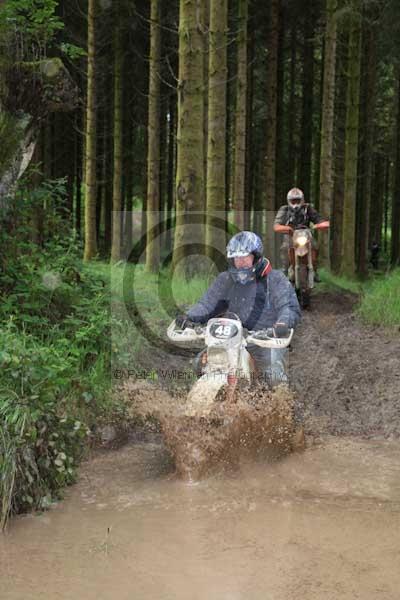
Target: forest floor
345,374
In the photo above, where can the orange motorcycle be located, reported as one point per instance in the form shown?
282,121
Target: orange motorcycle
302,263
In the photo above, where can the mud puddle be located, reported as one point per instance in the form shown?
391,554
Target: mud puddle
322,524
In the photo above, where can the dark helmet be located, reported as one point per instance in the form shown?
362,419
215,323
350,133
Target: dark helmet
295,198
242,244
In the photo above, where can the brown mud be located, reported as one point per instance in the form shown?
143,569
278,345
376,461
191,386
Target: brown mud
260,422
344,380
346,374
257,422
319,524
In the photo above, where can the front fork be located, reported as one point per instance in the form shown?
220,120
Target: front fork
232,382
310,269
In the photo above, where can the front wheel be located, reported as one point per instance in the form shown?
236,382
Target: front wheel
304,297
303,292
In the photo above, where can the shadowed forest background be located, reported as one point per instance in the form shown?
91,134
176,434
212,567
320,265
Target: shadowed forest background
119,120
206,106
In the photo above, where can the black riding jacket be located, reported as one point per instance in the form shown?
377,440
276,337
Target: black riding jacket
305,215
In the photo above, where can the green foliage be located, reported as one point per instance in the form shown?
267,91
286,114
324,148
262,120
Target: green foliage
380,303
33,27
161,292
55,331
379,297
54,360
336,282
46,205
35,20
40,444
10,135
72,51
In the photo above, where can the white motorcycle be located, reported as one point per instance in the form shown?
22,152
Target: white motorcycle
227,359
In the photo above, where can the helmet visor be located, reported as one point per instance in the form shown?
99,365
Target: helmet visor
243,275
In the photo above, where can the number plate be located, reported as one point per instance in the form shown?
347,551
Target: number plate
222,331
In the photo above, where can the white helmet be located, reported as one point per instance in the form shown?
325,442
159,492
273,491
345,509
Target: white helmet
295,198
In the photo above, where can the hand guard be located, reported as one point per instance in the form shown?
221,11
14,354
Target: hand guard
281,330
182,321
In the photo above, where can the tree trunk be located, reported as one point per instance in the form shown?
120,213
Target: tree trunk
339,152
99,164
328,113
316,153
90,161
240,117
281,156
153,154
190,137
170,171
307,102
249,168
108,175
206,27
116,242
128,171
271,133
351,150
368,91
291,166
386,205
30,91
376,207
36,213
216,148
78,171
395,229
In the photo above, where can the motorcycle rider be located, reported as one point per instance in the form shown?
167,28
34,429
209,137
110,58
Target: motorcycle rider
297,213
259,295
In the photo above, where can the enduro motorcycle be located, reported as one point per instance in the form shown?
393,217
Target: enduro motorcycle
211,431
301,269
227,359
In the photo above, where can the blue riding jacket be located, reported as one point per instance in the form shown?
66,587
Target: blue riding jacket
259,304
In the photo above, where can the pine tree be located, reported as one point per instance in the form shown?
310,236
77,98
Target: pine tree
328,113
190,137
153,155
271,132
367,120
118,137
216,148
241,117
351,146
90,158
395,229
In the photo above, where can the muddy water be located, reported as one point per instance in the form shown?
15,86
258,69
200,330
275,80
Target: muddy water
323,524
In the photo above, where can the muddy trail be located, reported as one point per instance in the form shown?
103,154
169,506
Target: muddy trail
345,375
343,382
321,523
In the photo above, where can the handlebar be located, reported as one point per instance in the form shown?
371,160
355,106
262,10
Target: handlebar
187,335
265,337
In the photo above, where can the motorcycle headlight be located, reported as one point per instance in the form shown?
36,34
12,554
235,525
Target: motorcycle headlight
302,240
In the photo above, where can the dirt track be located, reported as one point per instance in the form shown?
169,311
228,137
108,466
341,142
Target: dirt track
346,374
